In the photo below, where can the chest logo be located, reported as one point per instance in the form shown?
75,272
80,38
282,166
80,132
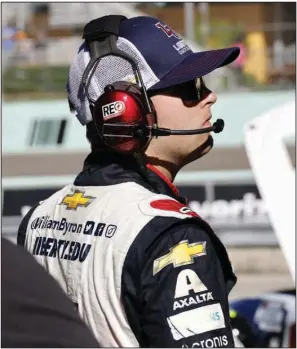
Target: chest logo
77,199
181,254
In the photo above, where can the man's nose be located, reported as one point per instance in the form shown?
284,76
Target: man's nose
210,98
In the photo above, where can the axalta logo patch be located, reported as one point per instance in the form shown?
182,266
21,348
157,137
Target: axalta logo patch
188,281
172,205
113,110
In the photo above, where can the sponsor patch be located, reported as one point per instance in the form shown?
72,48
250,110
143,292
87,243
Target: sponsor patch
65,226
181,254
62,249
214,342
173,205
113,110
187,281
77,199
196,321
188,301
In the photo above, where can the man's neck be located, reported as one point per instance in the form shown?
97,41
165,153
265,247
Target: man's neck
168,169
165,172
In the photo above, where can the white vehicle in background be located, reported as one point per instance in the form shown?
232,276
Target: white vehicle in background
266,139
270,319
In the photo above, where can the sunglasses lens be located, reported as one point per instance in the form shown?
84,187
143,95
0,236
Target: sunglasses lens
191,91
199,84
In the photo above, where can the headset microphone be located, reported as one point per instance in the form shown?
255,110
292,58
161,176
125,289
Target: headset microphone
217,127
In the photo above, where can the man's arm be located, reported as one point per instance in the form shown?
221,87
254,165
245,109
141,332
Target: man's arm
183,296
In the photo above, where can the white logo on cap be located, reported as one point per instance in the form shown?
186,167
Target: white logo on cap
113,109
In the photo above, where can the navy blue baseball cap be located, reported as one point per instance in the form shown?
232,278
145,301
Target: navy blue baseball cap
164,60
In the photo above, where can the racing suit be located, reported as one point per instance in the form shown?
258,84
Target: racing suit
141,268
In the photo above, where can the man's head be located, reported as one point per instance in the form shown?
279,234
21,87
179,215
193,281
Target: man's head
186,106
171,73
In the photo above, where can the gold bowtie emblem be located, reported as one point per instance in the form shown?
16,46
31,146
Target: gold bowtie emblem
72,202
181,254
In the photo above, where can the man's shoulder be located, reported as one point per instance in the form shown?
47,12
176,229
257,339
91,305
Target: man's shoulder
38,208
49,200
168,238
165,206
169,218
163,214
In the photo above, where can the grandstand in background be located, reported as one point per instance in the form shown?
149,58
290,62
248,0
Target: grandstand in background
54,34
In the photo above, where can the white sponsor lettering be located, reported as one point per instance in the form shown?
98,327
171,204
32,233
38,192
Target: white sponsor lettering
248,207
214,342
196,321
181,47
113,109
188,280
197,299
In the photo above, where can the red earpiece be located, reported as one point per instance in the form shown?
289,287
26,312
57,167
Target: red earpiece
121,118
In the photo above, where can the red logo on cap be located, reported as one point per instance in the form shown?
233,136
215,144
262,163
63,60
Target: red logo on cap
167,30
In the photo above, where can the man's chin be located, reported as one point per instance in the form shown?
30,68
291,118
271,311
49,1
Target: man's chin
202,150
206,146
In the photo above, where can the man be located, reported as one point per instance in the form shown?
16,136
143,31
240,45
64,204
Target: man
142,268
35,312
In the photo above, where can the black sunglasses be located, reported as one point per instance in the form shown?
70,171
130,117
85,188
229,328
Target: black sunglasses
190,91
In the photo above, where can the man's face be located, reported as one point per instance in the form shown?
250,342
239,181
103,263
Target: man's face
186,106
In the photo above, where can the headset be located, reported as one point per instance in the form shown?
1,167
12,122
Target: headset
124,115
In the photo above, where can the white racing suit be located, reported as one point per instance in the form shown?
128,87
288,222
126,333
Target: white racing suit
141,268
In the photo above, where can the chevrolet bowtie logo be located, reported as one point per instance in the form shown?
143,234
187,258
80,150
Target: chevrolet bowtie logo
181,254
77,199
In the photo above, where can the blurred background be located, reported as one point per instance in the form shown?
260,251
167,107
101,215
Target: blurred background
43,145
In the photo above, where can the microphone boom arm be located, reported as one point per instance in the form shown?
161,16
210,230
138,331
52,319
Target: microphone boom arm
217,127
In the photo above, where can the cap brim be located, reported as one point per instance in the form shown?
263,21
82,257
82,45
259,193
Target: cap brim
197,65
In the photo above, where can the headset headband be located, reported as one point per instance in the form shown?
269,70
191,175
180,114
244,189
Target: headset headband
101,35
